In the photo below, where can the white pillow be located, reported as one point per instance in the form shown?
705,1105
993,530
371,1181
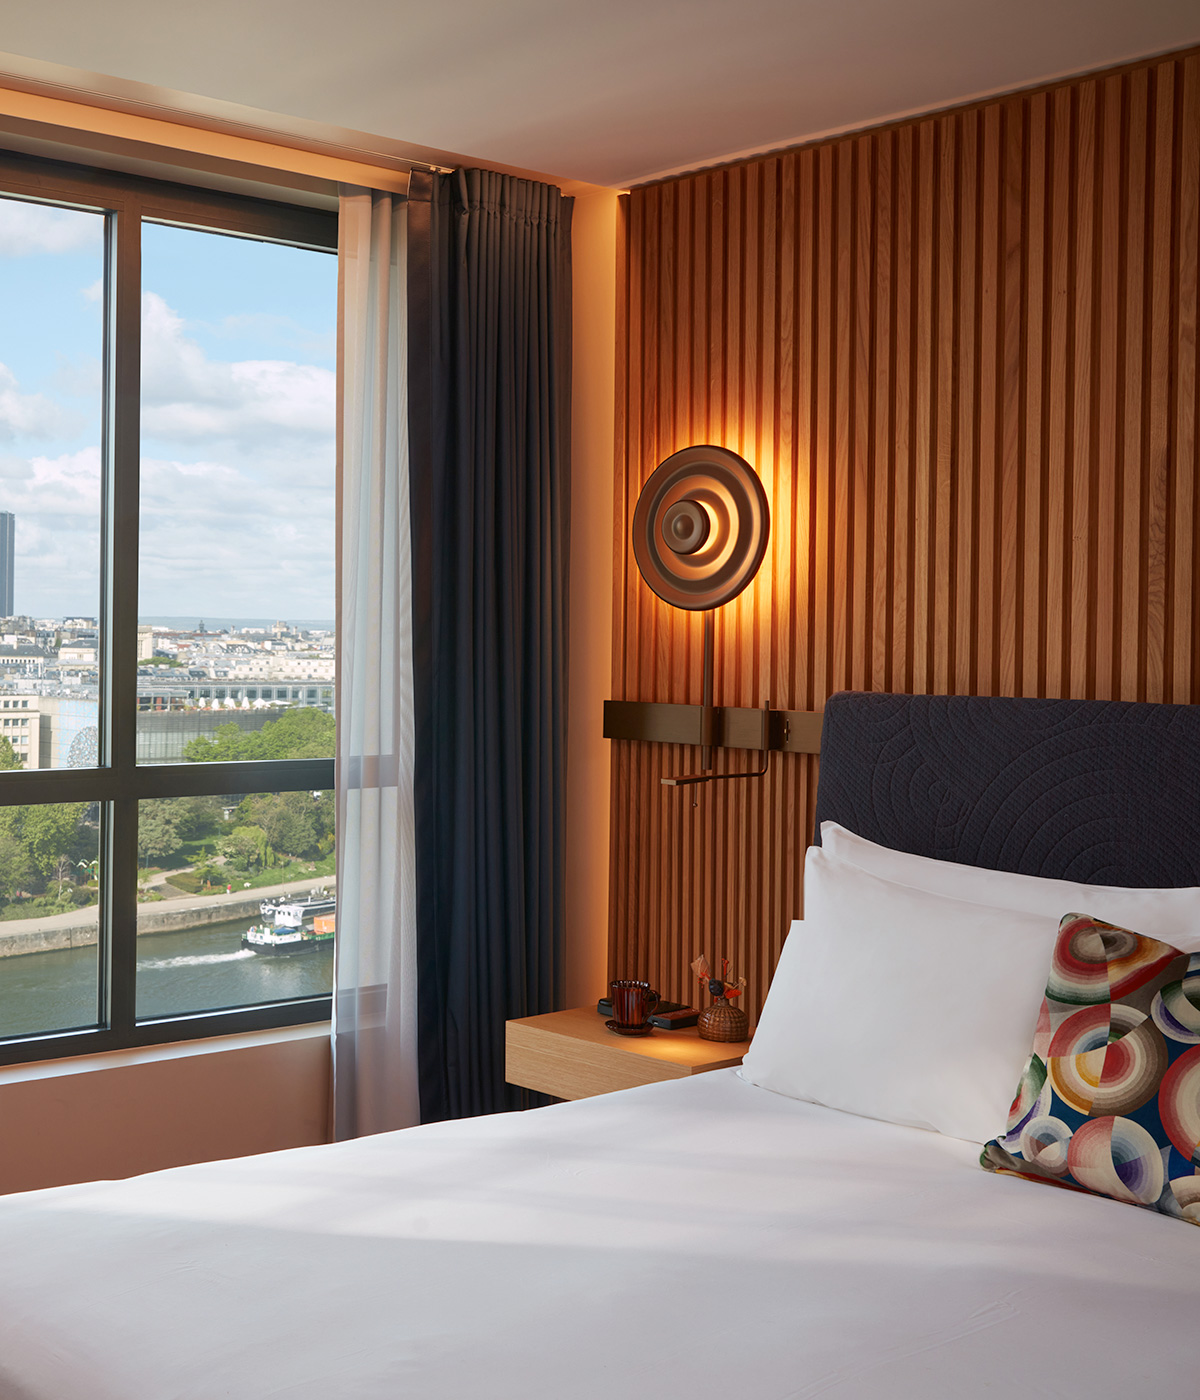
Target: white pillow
1172,915
900,1005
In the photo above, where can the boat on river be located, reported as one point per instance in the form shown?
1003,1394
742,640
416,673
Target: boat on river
284,940
286,912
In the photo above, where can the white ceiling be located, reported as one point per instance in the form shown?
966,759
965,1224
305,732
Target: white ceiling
606,91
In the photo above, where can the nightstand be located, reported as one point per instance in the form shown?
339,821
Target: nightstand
573,1055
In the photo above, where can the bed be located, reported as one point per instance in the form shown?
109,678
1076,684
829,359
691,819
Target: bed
704,1238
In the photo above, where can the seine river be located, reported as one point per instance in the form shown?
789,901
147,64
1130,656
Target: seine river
200,969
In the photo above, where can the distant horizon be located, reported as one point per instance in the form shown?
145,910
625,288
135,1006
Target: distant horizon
190,622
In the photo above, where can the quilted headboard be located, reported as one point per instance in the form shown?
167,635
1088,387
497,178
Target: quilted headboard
1105,792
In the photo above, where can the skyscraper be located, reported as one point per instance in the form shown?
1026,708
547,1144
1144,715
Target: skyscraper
8,530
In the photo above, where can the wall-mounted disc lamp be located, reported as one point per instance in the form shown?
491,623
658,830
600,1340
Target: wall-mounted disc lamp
700,533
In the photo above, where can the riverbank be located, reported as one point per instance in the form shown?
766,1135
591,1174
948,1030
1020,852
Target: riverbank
79,927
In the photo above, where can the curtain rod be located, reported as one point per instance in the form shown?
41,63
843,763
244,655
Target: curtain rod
222,126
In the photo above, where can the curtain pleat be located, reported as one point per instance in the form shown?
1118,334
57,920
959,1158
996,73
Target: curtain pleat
490,337
375,976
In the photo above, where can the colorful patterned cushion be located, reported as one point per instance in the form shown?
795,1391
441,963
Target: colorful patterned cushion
1109,1101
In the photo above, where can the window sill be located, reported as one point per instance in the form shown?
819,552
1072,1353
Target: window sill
155,1054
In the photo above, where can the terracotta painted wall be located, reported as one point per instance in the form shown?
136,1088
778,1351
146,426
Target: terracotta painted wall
130,1111
961,352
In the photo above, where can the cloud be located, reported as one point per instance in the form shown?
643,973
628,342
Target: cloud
237,488
56,500
31,415
213,541
186,397
14,468
52,488
27,229
217,541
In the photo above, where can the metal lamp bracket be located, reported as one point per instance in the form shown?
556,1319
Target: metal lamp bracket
730,727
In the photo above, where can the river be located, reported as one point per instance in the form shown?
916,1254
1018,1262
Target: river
198,969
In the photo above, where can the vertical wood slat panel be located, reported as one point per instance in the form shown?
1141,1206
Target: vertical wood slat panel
961,353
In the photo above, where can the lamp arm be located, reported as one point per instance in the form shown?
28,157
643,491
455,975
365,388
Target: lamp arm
691,779
688,779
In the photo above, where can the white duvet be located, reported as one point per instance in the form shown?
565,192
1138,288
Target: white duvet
702,1239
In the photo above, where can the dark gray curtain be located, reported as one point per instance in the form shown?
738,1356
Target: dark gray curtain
489,260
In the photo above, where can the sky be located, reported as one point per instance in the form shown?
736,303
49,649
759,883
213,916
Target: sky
237,451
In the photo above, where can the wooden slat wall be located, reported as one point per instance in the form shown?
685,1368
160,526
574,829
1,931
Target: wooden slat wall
961,352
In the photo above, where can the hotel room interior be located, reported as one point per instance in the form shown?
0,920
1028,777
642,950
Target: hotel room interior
767,471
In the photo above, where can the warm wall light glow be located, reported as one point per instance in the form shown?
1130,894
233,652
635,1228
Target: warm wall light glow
700,527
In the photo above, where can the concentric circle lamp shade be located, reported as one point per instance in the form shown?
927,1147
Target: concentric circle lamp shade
700,528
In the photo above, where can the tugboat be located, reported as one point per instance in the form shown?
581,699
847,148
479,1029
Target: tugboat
288,940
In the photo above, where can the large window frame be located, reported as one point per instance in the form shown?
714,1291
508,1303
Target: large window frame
119,783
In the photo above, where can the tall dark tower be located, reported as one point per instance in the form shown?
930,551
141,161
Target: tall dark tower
8,530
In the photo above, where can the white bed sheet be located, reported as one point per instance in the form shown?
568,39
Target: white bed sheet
703,1238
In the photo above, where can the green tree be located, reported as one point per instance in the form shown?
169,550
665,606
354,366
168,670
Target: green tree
197,816
164,823
288,818
247,847
9,758
325,815
158,829
208,874
50,831
300,733
16,869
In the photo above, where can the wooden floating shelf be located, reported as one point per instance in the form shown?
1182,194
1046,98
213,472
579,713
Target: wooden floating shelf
786,731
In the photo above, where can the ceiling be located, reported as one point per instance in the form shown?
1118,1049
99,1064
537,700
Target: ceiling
606,91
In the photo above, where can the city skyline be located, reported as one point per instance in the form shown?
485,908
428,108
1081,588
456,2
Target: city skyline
248,670
180,622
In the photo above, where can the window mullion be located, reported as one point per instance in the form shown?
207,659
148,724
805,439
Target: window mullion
119,835
118,675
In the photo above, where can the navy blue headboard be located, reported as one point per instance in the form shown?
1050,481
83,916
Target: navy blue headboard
1105,792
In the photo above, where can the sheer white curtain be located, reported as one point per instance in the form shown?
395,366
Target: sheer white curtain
374,1032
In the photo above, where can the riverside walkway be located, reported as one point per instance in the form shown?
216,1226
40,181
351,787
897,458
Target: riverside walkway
78,927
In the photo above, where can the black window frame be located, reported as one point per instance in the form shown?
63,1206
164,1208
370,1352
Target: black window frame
119,783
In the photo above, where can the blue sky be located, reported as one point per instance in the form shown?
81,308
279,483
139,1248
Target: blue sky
273,302
237,444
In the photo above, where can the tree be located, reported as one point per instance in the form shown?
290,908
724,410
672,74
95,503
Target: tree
64,868
158,829
325,815
164,823
287,818
208,874
9,758
247,846
197,816
16,869
50,831
36,842
299,733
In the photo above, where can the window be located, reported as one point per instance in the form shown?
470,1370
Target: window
167,495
